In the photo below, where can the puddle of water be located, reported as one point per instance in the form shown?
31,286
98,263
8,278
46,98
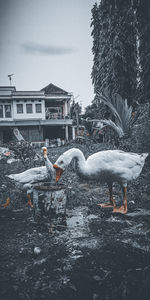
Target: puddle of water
77,223
136,230
139,212
91,217
136,245
77,234
115,219
91,243
40,262
76,219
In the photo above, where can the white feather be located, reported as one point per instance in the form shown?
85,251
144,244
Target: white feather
105,166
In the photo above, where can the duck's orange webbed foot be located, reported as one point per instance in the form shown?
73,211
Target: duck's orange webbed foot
122,210
29,203
111,203
6,203
105,205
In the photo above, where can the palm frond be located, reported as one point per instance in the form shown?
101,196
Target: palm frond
109,101
116,128
120,109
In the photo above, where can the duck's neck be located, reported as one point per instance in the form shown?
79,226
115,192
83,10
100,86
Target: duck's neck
80,160
48,164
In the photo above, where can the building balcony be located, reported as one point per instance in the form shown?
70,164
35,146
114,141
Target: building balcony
53,116
56,116
33,122
65,121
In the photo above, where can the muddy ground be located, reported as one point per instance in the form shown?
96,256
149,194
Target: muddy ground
97,255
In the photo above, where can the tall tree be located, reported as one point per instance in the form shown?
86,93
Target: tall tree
96,24
114,48
142,9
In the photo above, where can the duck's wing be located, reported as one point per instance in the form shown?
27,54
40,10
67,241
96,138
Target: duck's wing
116,156
40,175
31,175
121,165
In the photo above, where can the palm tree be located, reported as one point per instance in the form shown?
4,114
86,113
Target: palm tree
123,117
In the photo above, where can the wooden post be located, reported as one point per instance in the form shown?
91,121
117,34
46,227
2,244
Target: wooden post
73,132
66,132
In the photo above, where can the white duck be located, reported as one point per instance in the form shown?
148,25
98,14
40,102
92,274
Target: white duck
105,166
27,179
48,164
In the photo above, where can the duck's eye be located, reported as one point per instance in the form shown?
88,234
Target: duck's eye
61,162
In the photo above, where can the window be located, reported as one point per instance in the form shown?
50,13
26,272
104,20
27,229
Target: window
19,108
1,111
38,108
29,108
7,111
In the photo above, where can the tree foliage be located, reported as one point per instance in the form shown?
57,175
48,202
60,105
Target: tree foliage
75,111
121,49
142,10
123,117
114,48
25,152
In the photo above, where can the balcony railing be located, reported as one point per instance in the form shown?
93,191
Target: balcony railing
50,115
56,116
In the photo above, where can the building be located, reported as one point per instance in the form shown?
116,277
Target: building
38,115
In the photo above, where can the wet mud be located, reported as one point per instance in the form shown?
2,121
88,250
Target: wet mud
96,255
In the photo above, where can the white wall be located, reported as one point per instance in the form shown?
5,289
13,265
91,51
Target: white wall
66,108
28,116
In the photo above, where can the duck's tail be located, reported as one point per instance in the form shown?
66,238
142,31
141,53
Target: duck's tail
14,177
9,176
144,155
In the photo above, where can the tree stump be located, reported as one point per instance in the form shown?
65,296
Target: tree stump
49,200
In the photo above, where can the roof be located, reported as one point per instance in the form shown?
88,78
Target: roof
49,92
28,93
7,88
53,89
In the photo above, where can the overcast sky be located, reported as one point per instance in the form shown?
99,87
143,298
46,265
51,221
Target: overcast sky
47,41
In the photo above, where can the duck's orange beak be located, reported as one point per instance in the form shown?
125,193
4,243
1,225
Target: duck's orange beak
59,172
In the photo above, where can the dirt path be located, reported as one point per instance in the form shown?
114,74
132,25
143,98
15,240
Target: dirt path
97,256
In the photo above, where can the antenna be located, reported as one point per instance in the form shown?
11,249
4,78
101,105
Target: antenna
9,76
